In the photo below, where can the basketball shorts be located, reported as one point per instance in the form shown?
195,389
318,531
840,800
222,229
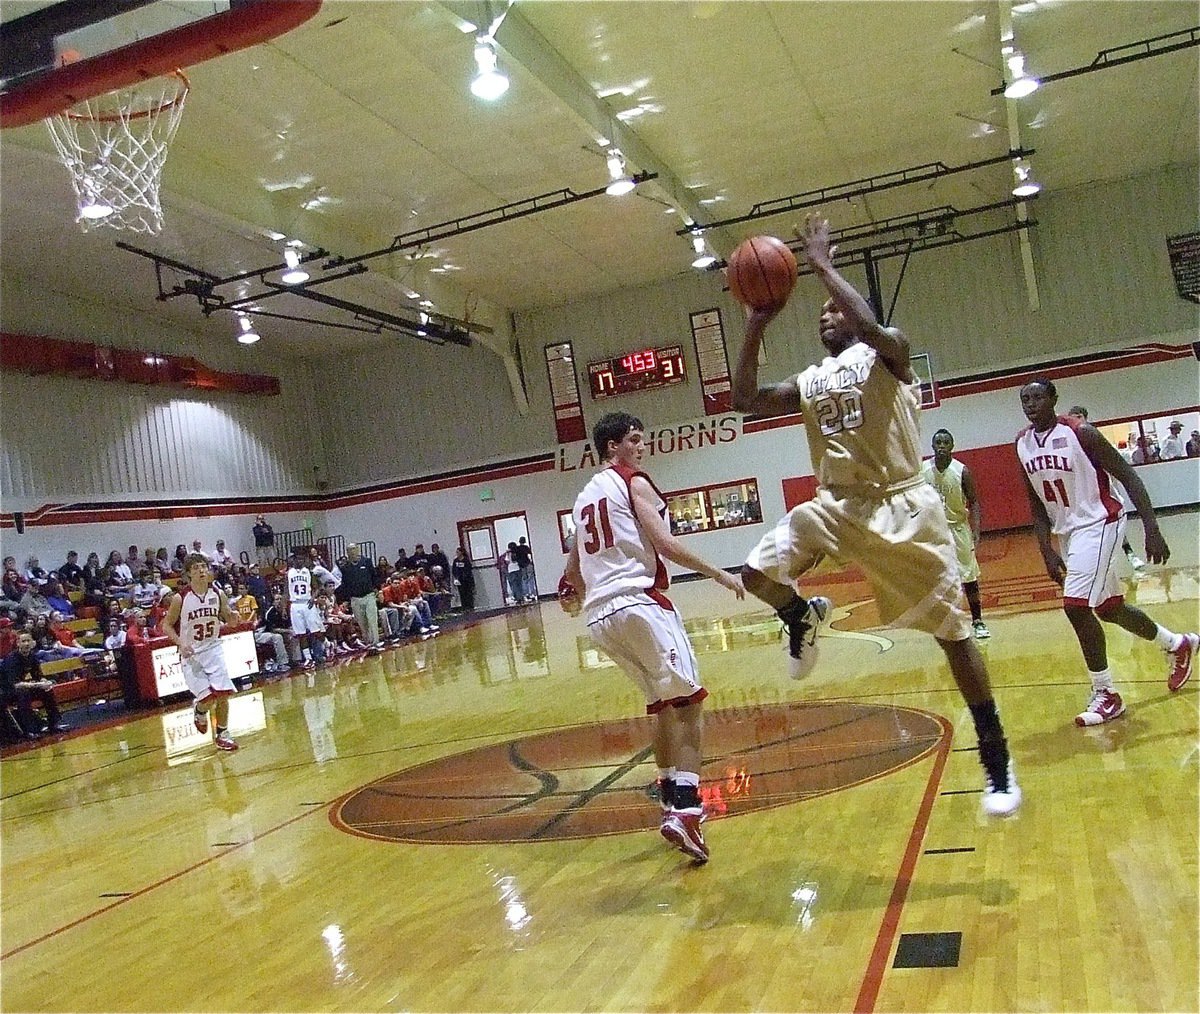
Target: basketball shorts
1093,568
900,540
964,550
205,673
644,635
306,619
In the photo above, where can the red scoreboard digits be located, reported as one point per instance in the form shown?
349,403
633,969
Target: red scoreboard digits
643,370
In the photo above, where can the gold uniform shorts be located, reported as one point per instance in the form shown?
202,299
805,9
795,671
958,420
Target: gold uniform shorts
899,537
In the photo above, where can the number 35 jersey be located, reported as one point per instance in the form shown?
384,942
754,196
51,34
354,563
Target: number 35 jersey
862,421
1074,489
615,555
200,620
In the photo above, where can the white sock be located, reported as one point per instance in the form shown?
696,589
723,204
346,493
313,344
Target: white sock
686,778
1101,680
1167,640
307,655
666,774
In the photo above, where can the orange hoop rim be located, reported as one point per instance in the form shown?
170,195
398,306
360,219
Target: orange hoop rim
181,93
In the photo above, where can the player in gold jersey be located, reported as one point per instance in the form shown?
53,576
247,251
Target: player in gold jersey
861,408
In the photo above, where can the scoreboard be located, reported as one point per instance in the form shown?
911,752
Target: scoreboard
645,370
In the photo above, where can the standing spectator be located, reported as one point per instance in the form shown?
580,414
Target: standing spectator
525,569
512,573
1193,445
193,625
1145,453
221,557
956,487
464,579
360,582
258,587
1173,447
22,684
70,573
419,558
437,558
264,542
402,563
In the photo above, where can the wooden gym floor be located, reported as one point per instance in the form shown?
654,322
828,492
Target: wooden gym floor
463,825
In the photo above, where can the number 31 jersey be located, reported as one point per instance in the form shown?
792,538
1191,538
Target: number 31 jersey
615,556
1074,489
863,422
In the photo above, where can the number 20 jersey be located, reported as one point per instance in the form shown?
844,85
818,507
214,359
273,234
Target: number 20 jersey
863,422
1075,491
615,556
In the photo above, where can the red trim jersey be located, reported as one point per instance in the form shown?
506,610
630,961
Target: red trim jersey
615,555
1076,491
200,619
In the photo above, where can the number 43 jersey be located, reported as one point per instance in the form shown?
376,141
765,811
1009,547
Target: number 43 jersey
863,422
615,555
1075,490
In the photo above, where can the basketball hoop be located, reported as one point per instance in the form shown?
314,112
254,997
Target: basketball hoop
115,147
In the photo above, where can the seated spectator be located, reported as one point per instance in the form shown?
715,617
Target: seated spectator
45,644
1193,445
133,559
398,615
436,599
277,621
115,639
179,562
258,587
1145,452
22,684
70,573
14,585
339,625
145,591
118,575
198,547
34,573
162,562
221,556
147,561
66,639
137,627
34,602
412,594
1172,446
245,608
401,563
419,558
58,598
384,569
93,582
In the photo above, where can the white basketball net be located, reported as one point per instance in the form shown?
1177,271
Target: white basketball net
115,147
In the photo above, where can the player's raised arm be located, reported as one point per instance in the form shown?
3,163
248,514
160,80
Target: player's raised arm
748,396
889,342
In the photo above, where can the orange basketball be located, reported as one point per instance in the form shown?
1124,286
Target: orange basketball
761,273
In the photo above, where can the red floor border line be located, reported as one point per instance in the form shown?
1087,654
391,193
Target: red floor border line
157,884
877,964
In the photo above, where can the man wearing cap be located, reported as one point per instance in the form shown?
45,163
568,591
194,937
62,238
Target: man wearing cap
1173,447
360,582
264,541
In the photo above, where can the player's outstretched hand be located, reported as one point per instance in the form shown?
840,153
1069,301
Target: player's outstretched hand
1157,550
732,582
814,234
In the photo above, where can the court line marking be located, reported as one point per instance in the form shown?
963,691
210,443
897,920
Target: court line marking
150,887
132,755
868,992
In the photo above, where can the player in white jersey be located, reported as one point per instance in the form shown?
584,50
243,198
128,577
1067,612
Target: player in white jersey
861,408
615,571
956,487
307,624
1069,468
193,623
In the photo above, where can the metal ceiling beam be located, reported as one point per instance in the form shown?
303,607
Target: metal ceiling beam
528,47
1107,58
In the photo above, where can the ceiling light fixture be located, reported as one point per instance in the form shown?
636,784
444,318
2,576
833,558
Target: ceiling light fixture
1026,185
489,83
248,336
621,181
1022,84
294,275
703,259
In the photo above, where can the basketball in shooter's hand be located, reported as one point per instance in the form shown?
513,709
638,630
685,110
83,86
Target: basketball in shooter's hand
569,598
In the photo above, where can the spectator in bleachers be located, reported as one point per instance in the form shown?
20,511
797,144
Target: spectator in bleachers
257,584
437,558
119,575
384,569
399,615
115,640
277,621
137,628
401,563
1145,452
22,684
67,643
147,561
70,573
14,585
34,573
162,562
198,547
419,558
93,581
179,561
57,597
133,559
8,636
411,586
144,591
264,542
34,602
221,556
322,574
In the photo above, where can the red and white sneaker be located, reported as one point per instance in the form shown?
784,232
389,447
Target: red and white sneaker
201,720
682,829
1104,706
1181,661
225,742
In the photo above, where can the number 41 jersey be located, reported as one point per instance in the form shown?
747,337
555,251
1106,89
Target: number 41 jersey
1075,490
615,556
